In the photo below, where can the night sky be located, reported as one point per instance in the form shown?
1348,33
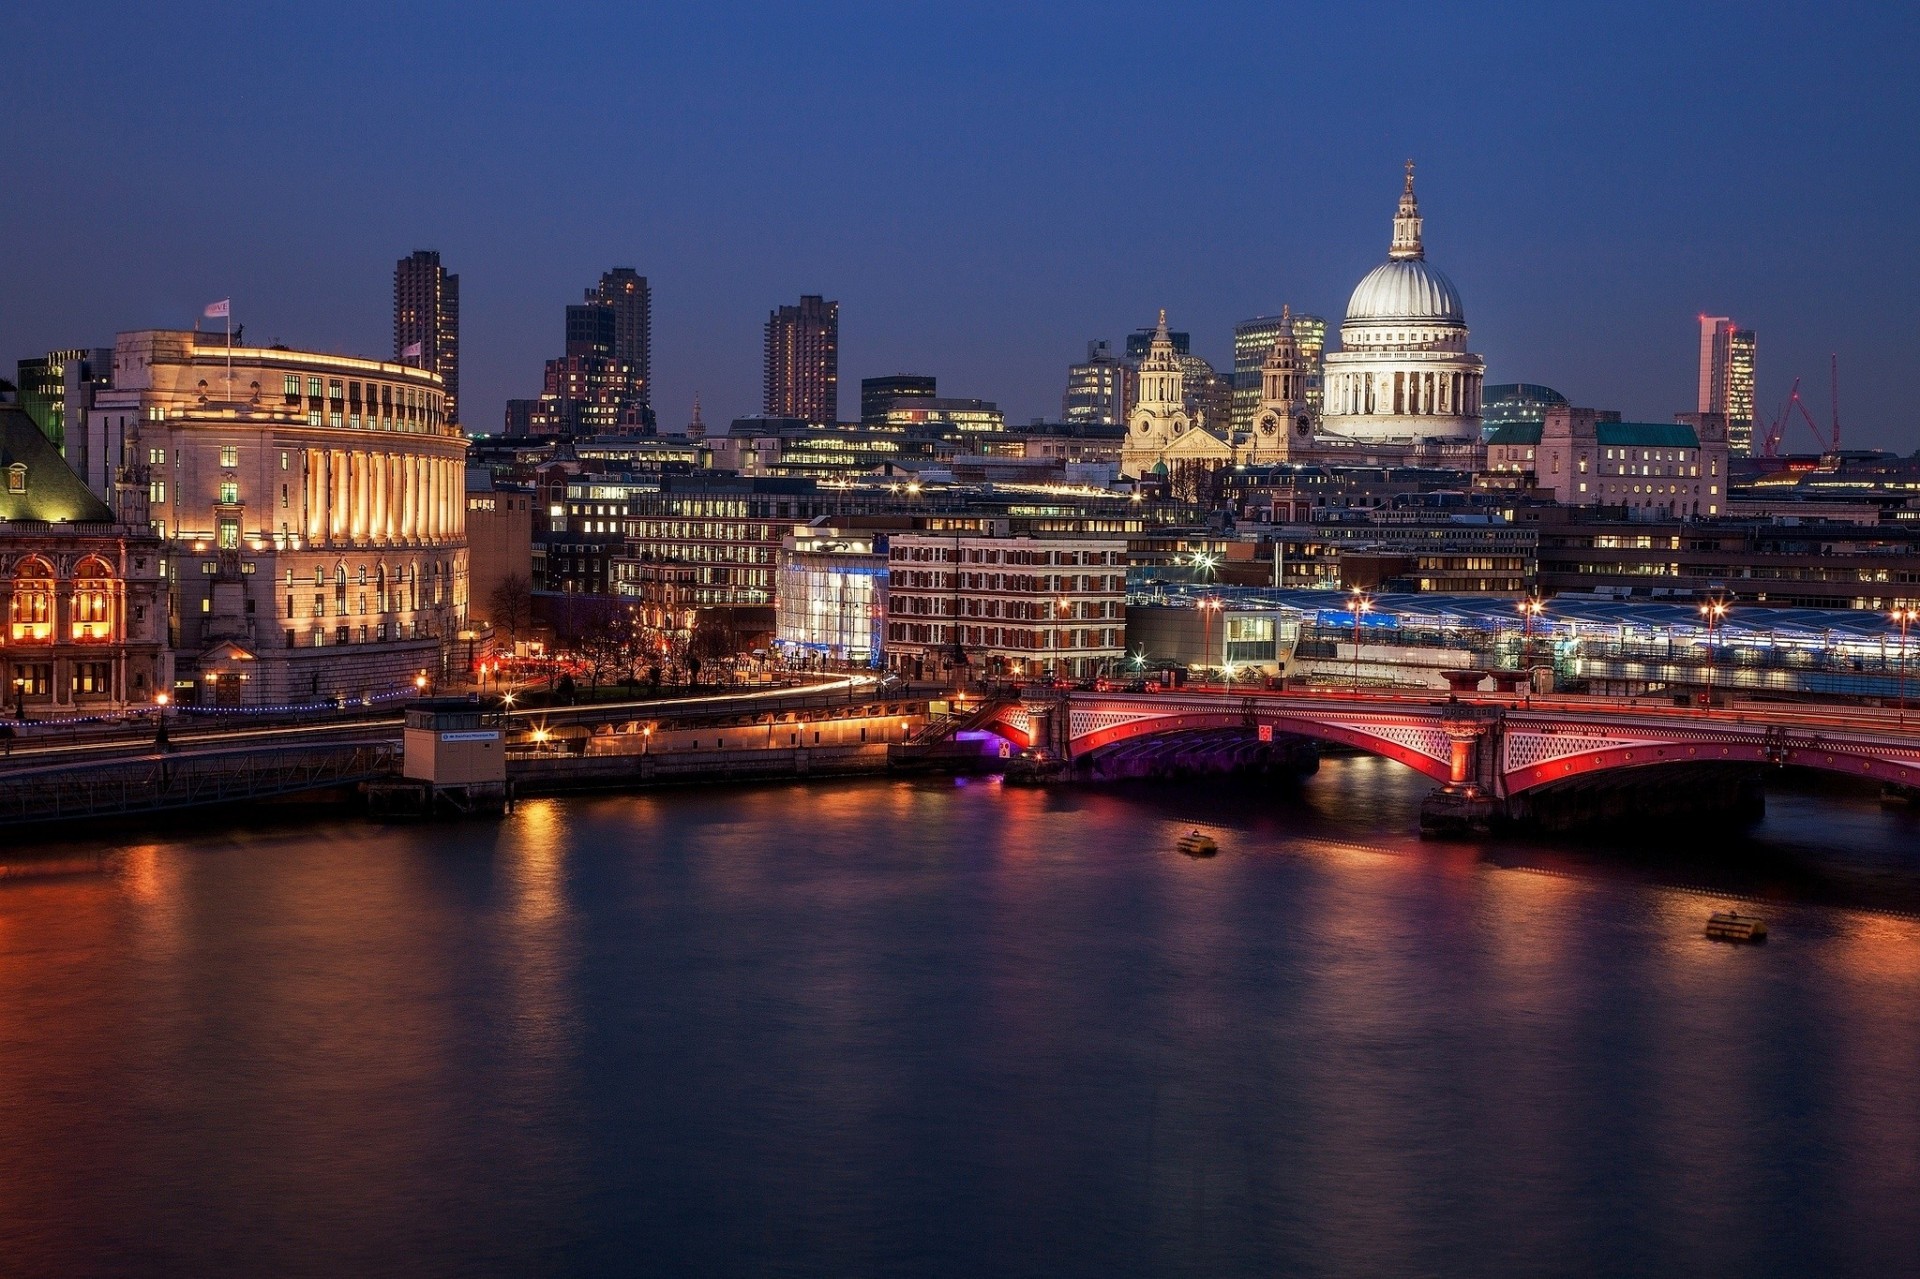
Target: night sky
984,188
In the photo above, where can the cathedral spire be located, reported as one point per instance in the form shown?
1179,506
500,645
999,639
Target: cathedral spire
1406,224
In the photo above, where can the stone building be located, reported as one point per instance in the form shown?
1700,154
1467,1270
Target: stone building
312,507
86,593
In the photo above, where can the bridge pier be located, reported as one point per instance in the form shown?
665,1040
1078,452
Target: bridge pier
1468,803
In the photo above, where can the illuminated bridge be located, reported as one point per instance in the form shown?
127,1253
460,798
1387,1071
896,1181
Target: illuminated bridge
1570,759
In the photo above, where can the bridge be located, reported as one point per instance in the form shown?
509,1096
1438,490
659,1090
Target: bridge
1499,758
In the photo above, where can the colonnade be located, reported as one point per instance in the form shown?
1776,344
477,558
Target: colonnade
354,495
1415,393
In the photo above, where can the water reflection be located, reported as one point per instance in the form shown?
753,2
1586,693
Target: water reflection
939,1029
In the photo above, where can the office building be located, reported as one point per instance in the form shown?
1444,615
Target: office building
1584,457
312,507
1007,605
1726,378
426,314
948,418
59,386
1099,390
877,395
802,375
1310,344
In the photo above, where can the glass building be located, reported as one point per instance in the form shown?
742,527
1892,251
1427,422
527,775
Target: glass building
1518,403
832,594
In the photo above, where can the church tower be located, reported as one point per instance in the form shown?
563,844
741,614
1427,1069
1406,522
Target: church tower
1159,415
1282,425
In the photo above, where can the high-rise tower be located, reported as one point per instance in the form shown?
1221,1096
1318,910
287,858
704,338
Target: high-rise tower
426,314
1726,378
628,295
803,361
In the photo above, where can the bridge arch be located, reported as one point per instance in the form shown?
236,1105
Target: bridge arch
1373,743
1901,768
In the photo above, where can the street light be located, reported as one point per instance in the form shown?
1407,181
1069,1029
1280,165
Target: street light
1530,608
1715,611
1362,604
160,732
1208,607
1906,616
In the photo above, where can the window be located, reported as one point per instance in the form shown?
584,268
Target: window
292,386
229,534
229,492
313,387
229,455
156,457
17,478
157,492
283,459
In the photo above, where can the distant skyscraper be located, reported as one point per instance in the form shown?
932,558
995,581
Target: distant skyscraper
426,311
1310,344
877,395
630,298
1252,339
803,361
1726,378
1098,390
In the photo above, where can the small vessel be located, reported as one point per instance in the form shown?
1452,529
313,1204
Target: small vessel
1197,843
1729,925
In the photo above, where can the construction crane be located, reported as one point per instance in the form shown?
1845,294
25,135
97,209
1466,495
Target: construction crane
1828,440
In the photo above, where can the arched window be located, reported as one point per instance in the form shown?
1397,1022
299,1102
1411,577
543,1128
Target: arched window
339,589
31,610
92,612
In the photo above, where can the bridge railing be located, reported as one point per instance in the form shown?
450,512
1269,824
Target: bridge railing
164,782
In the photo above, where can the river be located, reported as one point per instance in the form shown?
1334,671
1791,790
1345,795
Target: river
940,1028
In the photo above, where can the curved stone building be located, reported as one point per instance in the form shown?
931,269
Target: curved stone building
312,507
1403,372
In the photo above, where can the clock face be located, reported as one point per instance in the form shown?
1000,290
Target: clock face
1268,425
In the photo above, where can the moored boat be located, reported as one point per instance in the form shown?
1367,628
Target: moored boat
1730,925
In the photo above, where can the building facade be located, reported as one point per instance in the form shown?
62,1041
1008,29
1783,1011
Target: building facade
1403,372
993,606
1585,457
312,507
1099,390
627,296
802,373
86,598
426,314
831,599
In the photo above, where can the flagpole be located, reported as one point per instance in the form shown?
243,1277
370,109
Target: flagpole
229,350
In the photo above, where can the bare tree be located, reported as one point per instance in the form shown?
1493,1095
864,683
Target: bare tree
511,602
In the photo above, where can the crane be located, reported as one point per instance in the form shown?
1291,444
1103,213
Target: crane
1828,440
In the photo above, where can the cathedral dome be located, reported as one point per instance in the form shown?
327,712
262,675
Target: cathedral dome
1405,289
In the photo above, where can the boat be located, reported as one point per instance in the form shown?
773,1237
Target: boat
1729,925
1197,843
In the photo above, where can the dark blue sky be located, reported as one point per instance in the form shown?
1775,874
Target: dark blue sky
984,188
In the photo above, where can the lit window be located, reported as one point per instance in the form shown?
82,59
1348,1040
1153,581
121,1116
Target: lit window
229,455
229,492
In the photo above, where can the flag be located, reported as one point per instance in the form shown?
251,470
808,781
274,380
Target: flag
219,310
411,351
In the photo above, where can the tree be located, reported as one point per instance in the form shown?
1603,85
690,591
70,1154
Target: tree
511,602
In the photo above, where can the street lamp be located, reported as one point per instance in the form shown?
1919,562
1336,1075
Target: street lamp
1530,608
160,731
1906,616
1362,604
1208,607
1060,607
1715,611
420,683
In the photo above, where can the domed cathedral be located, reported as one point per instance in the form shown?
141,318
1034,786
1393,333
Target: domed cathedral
1162,439
1403,373
1282,428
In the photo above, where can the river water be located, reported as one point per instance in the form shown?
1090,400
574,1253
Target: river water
928,1028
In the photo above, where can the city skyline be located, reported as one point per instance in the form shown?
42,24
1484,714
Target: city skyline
1585,242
